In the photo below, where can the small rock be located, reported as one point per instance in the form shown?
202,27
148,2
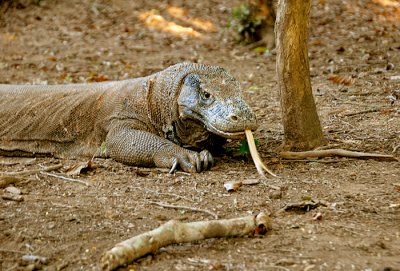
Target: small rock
13,190
395,77
51,225
276,194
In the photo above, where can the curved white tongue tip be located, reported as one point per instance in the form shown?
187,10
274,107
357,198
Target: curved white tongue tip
254,154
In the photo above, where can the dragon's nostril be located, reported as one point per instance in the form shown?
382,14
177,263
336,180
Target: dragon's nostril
234,118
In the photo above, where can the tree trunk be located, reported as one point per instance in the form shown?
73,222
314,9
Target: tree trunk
302,128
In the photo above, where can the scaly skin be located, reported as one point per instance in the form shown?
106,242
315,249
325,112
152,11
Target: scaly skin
148,121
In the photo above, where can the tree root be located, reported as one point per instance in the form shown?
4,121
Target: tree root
335,152
174,232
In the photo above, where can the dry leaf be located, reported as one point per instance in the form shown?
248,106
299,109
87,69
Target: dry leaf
98,78
80,168
341,79
232,186
142,173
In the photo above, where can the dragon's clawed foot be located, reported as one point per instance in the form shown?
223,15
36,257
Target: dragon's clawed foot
191,161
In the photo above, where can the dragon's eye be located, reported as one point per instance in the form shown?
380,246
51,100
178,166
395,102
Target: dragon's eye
206,95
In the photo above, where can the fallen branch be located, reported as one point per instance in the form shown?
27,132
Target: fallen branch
174,232
214,215
33,171
64,178
334,152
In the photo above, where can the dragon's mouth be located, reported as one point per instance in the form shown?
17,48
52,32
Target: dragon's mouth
191,114
233,135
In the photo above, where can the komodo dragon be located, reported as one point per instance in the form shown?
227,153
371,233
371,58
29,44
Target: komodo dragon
148,121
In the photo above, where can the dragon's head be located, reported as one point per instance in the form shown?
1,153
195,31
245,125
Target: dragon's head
214,99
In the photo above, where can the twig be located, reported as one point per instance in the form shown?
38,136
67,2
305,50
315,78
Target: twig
360,112
395,148
64,178
363,104
312,160
174,232
277,267
33,171
214,215
162,170
334,152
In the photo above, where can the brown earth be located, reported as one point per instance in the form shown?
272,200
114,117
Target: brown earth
72,224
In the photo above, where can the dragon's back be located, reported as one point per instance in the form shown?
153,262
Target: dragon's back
52,119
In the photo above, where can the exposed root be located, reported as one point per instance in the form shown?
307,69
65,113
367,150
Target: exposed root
256,157
174,232
334,152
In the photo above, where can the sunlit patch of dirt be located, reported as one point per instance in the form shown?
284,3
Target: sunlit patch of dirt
182,14
391,10
155,21
387,3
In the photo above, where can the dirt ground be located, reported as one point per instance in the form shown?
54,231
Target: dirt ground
355,67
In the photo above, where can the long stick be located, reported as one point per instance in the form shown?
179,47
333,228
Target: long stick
334,152
174,232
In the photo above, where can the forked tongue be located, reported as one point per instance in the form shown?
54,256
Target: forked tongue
254,154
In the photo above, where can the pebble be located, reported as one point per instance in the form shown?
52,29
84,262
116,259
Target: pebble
13,190
34,258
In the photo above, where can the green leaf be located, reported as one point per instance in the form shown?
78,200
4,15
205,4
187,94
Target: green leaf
261,50
244,149
103,148
253,88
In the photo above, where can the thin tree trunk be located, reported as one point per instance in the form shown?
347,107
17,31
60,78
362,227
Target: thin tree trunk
302,128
